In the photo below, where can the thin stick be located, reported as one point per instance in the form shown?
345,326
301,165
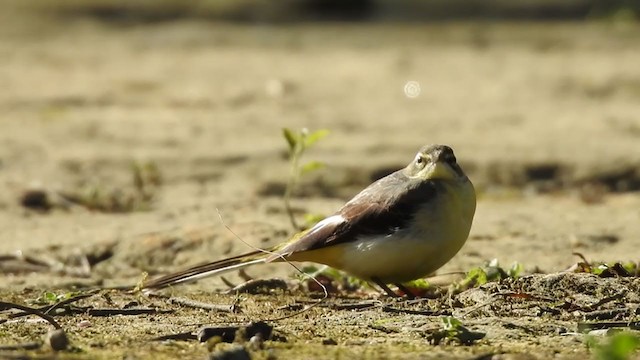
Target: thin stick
391,309
48,318
25,346
134,311
49,308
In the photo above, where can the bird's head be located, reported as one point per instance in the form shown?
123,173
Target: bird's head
435,162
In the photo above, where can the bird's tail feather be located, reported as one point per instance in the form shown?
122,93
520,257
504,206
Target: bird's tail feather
206,270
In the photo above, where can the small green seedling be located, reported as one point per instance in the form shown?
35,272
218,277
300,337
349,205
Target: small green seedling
454,331
618,269
491,271
621,346
515,270
298,143
50,298
419,284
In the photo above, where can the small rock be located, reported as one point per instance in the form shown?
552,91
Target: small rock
259,328
36,200
131,304
256,342
84,324
229,334
235,353
329,341
57,339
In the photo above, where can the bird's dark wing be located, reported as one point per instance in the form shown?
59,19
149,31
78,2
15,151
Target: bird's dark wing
384,207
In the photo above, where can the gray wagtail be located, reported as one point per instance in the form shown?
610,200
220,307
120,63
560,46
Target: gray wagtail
400,228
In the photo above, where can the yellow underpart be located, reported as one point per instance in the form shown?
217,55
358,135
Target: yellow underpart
332,255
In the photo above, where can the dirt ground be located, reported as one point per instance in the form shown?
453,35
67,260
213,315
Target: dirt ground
543,116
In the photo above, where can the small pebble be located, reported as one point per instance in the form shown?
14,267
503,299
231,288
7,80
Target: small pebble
256,342
84,324
35,199
235,353
57,339
329,341
131,304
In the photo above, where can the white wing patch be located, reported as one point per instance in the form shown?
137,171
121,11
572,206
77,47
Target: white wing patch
331,220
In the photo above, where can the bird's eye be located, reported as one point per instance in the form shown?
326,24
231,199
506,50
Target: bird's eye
420,160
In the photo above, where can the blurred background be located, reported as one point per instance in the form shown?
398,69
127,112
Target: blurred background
126,124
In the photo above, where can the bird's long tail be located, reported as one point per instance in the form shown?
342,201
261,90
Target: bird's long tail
208,269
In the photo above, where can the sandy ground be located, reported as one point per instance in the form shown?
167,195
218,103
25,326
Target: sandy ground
544,118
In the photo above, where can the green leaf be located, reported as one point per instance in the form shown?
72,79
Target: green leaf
311,166
314,137
631,267
620,347
623,345
515,270
455,330
292,139
450,323
477,276
50,297
597,270
309,269
421,284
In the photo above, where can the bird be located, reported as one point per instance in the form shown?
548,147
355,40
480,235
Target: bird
402,227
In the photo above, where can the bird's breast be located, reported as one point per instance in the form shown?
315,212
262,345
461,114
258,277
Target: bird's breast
436,233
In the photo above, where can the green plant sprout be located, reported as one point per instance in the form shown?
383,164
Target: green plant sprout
298,143
620,346
626,269
420,284
50,298
491,271
454,331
